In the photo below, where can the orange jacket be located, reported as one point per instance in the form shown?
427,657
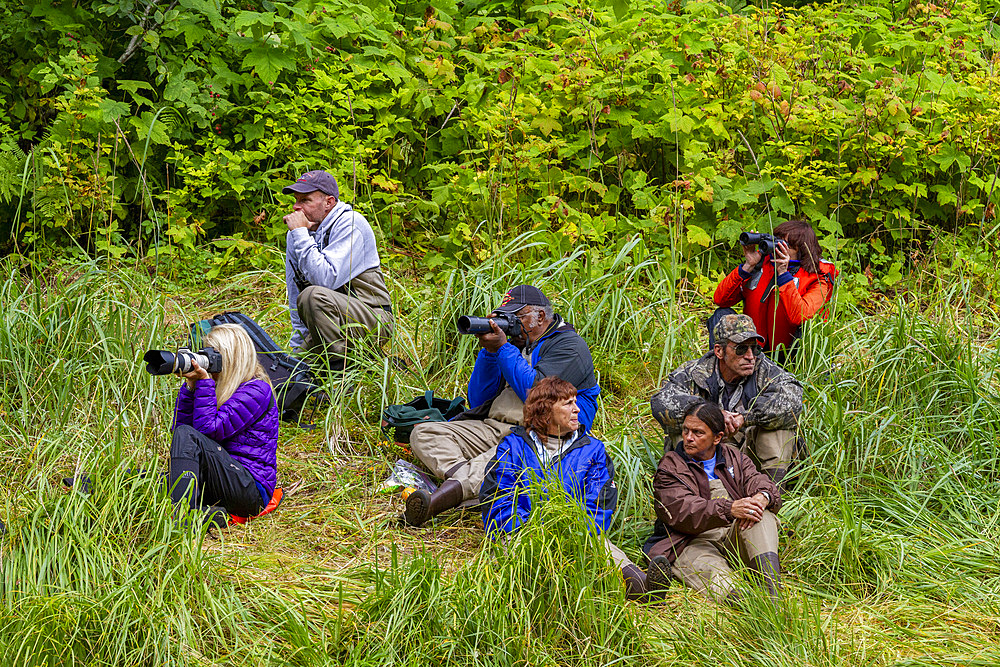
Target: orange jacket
801,296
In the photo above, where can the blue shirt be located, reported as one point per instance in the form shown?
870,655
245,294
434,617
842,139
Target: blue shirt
709,467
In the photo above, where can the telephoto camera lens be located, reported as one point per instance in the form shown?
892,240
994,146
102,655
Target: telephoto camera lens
508,323
159,362
164,362
468,324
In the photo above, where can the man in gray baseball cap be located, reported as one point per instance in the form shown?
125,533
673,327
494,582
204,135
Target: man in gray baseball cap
336,290
760,401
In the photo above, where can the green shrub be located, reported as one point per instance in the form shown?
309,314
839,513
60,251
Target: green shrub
457,129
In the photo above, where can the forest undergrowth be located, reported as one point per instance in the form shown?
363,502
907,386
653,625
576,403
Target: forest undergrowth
890,537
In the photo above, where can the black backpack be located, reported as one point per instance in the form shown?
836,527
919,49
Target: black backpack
291,378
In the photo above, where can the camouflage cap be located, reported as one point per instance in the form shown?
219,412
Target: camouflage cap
736,328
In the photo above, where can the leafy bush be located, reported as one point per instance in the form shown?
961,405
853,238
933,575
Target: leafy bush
457,126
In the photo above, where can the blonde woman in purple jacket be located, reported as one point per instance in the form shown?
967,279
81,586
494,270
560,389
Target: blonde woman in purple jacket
223,456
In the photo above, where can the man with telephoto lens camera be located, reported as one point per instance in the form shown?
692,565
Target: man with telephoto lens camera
522,341
761,402
336,290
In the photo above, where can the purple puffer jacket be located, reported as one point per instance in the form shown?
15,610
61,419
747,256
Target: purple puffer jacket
246,425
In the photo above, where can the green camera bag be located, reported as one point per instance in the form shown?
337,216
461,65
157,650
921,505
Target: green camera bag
424,408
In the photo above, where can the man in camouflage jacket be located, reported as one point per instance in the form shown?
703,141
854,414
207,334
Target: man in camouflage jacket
760,400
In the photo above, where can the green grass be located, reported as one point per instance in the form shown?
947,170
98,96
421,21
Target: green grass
890,538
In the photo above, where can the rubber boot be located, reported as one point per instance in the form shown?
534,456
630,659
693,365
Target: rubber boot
658,575
635,583
82,482
217,517
767,566
422,506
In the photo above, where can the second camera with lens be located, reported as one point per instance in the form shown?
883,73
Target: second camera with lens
508,323
165,362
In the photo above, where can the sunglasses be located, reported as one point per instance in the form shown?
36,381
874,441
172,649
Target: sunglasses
754,347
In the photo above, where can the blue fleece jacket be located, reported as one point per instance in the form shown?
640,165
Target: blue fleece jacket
584,471
560,353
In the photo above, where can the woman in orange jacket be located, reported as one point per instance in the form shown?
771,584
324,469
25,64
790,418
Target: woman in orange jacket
782,291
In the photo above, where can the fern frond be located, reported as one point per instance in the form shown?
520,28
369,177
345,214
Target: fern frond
12,172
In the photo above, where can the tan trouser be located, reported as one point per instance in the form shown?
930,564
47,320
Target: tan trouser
335,319
459,450
704,563
617,555
770,450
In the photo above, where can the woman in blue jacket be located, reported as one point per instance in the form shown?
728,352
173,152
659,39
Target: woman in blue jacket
553,447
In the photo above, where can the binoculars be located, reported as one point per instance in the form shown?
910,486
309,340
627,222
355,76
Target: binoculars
764,242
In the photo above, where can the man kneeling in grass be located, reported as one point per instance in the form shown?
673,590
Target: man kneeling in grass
552,448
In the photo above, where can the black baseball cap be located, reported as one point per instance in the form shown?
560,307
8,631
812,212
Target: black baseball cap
314,180
521,296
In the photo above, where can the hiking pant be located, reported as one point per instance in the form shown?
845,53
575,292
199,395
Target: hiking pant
704,564
336,320
771,451
202,474
459,450
617,555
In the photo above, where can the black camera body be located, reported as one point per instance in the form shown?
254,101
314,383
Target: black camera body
164,362
508,323
764,242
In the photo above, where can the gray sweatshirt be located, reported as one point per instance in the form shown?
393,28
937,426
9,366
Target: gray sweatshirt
341,248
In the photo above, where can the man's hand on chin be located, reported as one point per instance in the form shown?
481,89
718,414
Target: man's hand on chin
734,421
297,220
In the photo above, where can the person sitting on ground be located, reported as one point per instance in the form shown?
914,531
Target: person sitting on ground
336,291
223,455
505,370
553,447
781,292
761,401
712,506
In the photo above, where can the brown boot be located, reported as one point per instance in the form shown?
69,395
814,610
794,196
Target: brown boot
422,506
767,566
658,575
635,583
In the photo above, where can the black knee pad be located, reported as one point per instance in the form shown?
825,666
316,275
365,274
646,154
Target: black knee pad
186,477
186,481
184,442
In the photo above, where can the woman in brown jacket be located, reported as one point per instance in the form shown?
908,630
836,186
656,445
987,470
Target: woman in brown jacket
713,507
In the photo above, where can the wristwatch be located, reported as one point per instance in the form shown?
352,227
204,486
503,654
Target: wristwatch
768,496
